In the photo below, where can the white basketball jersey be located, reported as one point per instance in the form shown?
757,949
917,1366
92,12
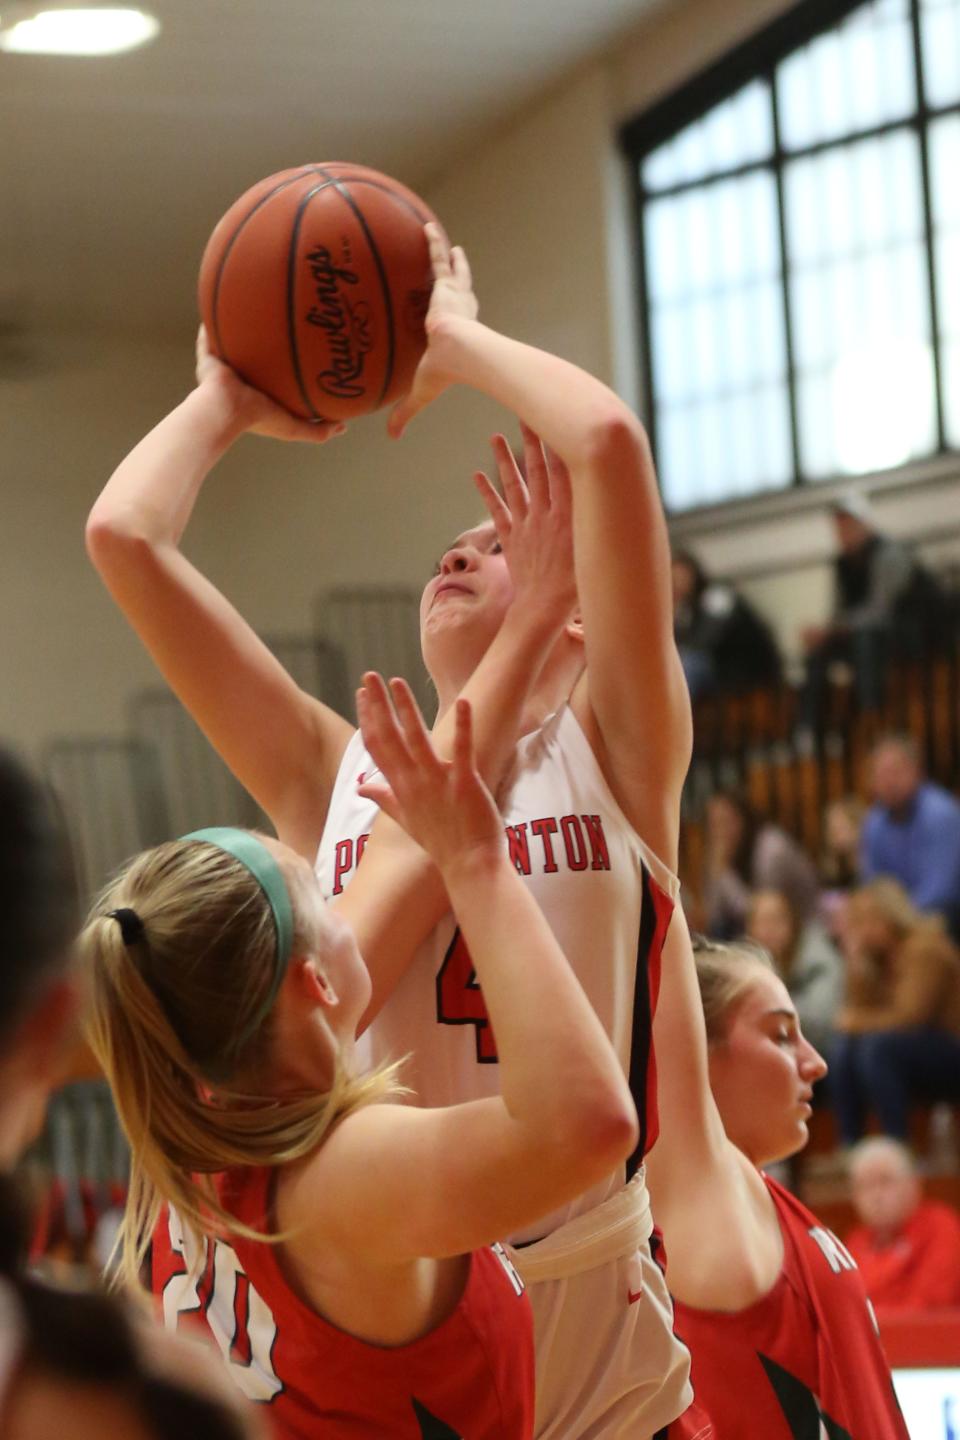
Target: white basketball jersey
607,898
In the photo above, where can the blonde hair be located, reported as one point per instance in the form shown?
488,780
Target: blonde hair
164,1015
724,973
887,899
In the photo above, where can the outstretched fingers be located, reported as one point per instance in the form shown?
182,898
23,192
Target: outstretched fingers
535,465
461,268
515,491
496,507
463,742
441,258
415,734
381,733
400,416
561,491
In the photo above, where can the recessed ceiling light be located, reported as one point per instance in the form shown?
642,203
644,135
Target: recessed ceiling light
100,30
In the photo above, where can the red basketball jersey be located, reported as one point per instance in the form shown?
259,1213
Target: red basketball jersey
803,1361
469,1379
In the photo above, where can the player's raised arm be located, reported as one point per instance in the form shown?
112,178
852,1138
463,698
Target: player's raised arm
635,688
282,745
699,1182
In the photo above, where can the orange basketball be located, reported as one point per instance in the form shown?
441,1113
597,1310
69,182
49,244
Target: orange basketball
314,287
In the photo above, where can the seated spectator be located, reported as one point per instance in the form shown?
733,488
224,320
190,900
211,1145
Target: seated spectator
806,960
725,645
842,827
899,1038
912,832
743,854
840,860
885,602
907,1248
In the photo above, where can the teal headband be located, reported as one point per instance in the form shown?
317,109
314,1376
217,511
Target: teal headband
253,854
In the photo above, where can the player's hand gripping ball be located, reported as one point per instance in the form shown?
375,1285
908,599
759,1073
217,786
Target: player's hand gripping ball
314,287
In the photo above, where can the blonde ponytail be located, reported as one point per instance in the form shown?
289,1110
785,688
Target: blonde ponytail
165,1008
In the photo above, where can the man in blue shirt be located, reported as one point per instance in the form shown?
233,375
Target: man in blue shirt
912,832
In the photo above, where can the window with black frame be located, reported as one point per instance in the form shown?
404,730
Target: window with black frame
799,248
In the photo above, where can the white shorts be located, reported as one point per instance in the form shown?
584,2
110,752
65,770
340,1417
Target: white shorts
609,1366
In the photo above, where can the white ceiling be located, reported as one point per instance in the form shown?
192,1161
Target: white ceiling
113,171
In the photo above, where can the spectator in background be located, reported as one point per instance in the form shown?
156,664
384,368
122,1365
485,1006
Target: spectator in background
743,854
840,859
907,1248
884,601
724,644
842,827
912,832
806,960
899,1037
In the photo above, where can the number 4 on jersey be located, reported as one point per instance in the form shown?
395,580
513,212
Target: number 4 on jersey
460,999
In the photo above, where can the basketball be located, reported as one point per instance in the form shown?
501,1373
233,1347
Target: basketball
314,287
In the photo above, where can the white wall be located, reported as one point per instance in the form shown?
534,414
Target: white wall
66,665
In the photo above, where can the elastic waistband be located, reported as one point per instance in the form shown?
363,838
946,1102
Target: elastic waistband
616,1227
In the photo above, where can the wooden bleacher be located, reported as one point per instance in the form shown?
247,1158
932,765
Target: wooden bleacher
750,741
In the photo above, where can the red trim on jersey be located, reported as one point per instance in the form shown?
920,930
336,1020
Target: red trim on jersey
655,912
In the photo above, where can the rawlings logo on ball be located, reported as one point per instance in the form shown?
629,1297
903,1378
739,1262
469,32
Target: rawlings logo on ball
348,326
314,287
